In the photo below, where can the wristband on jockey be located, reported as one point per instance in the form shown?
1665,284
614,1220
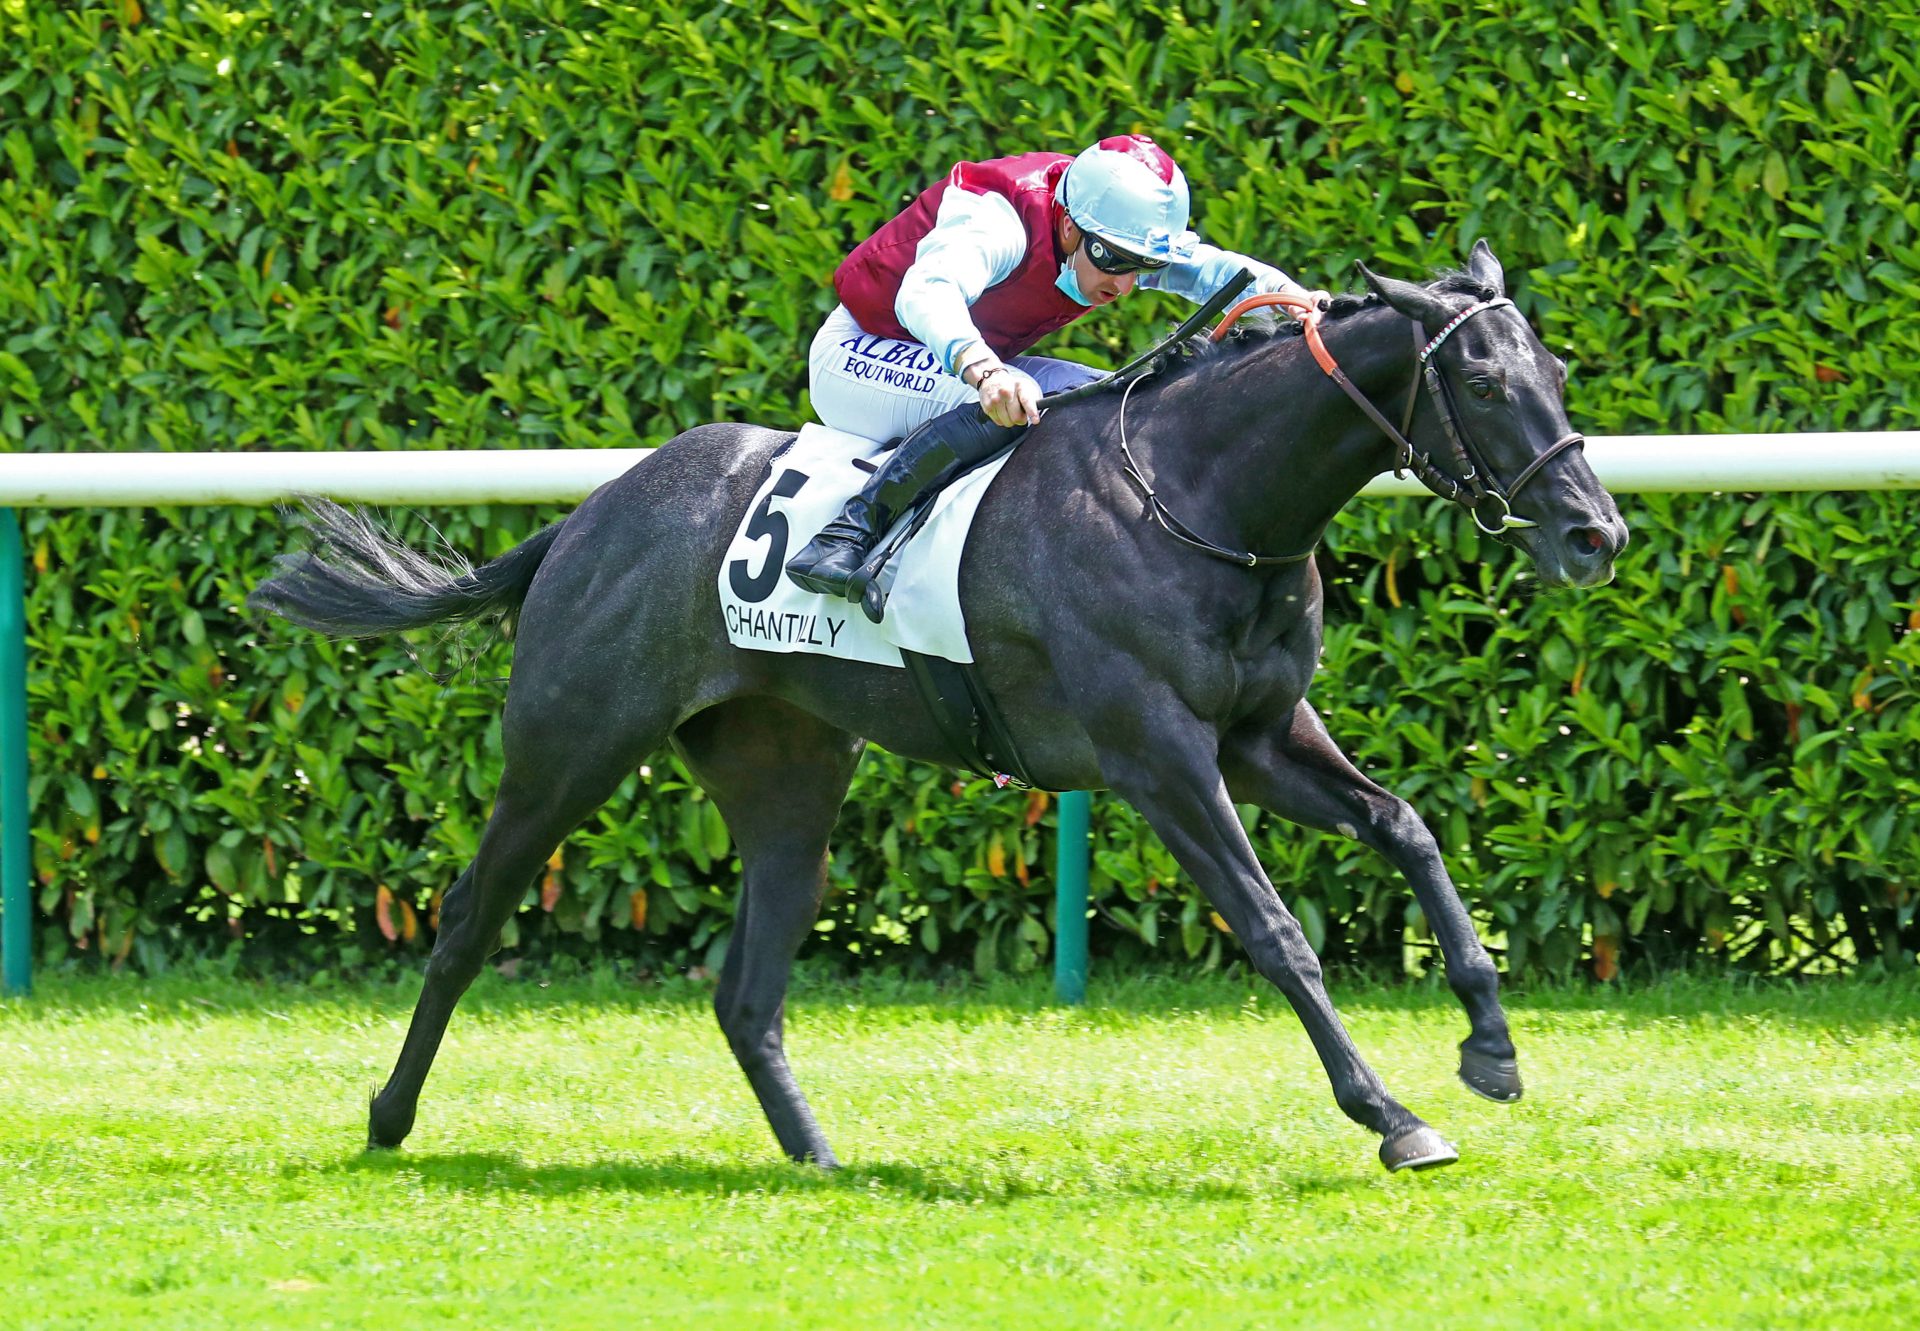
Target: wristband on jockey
970,354
986,365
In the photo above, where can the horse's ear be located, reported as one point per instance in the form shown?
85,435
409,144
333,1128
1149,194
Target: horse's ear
1411,299
1485,269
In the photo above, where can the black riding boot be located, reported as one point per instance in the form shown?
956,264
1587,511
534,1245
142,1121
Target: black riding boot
925,460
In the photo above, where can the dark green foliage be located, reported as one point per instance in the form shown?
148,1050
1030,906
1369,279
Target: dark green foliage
492,225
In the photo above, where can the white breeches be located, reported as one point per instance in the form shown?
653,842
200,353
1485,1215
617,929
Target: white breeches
880,388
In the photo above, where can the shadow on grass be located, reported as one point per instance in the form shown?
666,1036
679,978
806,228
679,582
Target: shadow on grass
697,1176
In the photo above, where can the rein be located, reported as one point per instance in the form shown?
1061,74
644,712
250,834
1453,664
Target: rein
1164,518
1465,486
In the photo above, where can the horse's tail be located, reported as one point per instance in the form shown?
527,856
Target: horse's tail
354,579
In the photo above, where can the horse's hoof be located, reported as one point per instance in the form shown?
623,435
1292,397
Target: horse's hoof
1497,1079
384,1135
1417,1148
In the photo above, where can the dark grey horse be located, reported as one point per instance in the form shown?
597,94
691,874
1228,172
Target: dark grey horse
1123,658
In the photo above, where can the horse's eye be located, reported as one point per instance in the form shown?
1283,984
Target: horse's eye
1480,386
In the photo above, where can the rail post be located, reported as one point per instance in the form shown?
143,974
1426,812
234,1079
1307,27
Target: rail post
16,906
1070,898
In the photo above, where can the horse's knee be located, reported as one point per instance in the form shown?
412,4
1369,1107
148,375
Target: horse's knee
1474,979
1302,980
752,1029
457,957
1284,957
456,907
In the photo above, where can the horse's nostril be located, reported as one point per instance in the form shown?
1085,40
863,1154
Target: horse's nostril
1589,541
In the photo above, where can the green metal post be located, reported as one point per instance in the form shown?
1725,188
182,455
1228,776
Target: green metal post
16,909
1070,898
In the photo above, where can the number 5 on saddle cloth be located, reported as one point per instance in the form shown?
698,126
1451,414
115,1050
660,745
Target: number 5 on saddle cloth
917,562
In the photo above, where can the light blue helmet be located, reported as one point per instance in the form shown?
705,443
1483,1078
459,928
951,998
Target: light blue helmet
1128,192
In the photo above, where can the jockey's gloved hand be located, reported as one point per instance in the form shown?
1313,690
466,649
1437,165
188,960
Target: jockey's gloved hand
1008,396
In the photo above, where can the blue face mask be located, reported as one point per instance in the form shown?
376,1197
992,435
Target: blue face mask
1069,281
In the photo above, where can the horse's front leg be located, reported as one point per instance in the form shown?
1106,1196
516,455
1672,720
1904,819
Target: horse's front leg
1296,771
1167,766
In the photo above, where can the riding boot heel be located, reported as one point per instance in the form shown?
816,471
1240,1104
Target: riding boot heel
830,560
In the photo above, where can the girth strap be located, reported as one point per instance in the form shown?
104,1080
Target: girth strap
968,719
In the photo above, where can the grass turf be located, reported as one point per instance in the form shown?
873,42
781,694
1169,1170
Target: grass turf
1690,1154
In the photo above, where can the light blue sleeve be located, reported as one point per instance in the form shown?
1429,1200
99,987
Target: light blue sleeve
1208,269
976,242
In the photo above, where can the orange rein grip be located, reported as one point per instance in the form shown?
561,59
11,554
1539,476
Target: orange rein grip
1308,313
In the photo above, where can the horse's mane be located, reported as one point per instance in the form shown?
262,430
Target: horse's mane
1259,327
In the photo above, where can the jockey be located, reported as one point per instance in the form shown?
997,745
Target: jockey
937,305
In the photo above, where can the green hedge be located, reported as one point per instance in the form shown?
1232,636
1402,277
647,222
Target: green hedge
412,224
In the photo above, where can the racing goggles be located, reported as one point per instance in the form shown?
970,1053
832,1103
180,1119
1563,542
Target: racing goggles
1118,263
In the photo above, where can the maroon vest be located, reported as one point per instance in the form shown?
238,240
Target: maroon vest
1012,314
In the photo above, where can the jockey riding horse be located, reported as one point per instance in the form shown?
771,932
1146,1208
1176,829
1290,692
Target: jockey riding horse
937,305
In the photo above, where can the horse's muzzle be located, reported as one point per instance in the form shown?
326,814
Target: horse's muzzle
1582,555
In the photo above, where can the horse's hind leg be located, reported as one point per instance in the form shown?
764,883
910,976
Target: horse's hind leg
778,776
544,793
1299,773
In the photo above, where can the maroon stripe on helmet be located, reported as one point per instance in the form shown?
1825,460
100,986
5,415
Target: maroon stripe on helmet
1143,150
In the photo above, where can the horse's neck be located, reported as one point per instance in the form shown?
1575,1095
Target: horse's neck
1289,449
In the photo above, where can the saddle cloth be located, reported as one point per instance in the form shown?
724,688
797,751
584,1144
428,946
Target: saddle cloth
807,482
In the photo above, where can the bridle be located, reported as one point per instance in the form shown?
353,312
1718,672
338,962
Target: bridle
1472,484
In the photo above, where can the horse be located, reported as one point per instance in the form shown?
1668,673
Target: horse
1119,610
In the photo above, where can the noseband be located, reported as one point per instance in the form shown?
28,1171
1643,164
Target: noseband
1472,484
